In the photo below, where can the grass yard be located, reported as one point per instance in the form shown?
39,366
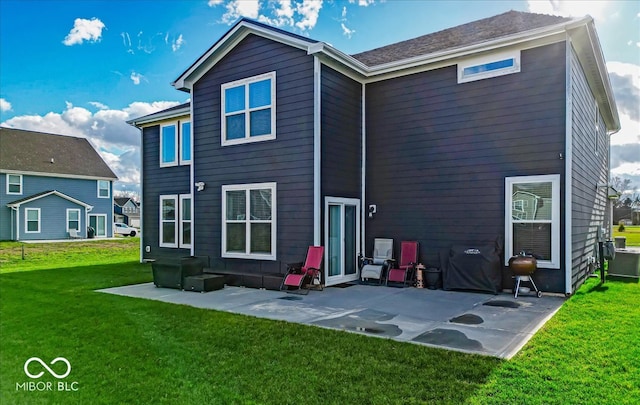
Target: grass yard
631,232
125,350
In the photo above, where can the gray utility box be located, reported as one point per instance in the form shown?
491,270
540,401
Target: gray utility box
204,282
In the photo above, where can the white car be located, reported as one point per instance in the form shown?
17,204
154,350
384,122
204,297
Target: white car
123,229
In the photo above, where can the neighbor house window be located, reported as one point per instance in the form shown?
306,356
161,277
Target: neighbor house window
99,224
532,218
168,218
32,220
249,109
103,189
14,184
73,219
487,66
168,145
185,221
249,221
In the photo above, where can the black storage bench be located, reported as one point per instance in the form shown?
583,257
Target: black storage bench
204,282
172,273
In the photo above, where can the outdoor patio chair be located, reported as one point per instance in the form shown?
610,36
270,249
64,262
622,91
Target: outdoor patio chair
73,234
309,272
374,268
405,270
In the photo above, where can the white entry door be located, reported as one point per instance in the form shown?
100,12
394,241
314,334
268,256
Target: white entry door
341,239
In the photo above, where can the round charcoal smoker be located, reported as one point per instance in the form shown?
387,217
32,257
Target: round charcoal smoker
523,266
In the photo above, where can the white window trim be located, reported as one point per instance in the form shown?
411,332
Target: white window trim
173,197
174,162
26,220
247,188
108,189
180,125
596,129
182,221
247,138
70,210
8,183
554,179
486,59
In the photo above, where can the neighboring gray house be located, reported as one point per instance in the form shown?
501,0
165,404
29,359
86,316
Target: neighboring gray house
289,142
52,187
127,211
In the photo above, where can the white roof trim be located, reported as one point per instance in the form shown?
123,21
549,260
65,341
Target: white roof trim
61,175
160,116
54,192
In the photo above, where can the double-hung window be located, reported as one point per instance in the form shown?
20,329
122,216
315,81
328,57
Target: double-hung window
249,221
73,219
32,220
14,183
249,109
532,218
104,191
175,144
175,221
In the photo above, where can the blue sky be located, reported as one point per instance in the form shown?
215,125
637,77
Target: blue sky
85,67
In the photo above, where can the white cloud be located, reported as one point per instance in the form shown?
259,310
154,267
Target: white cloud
239,8
213,3
177,43
99,105
136,77
308,10
346,31
283,14
573,8
84,30
5,105
117,142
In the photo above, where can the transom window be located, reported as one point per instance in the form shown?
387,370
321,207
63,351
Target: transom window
103,189
249,109
249,221
14,184
487,66
532,218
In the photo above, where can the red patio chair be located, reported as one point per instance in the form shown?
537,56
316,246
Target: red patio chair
298,273
406,267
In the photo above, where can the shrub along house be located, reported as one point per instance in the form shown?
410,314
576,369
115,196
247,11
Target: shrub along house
52,187
496,128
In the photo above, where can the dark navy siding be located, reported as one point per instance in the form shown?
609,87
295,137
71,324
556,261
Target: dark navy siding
158,181
590,166
287,160
341,126
438,152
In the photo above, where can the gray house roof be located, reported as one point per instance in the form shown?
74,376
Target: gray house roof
511,22
36,152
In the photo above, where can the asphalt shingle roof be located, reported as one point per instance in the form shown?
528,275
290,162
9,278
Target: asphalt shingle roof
28,151
509,23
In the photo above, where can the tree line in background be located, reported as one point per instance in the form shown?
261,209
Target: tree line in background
627,207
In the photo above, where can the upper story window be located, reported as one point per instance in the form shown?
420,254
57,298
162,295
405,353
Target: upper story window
175,144
14,184
249,109
104,191
487,66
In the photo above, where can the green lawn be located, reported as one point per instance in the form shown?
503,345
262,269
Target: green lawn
126,350
631,232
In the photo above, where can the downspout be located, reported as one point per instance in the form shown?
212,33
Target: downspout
192,175
568,223
317,98
363,172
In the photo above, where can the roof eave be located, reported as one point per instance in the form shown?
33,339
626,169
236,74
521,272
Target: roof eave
159,116
226,43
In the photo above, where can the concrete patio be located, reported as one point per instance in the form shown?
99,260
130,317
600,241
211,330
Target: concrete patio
494,325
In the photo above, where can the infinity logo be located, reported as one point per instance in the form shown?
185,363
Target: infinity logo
62,359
